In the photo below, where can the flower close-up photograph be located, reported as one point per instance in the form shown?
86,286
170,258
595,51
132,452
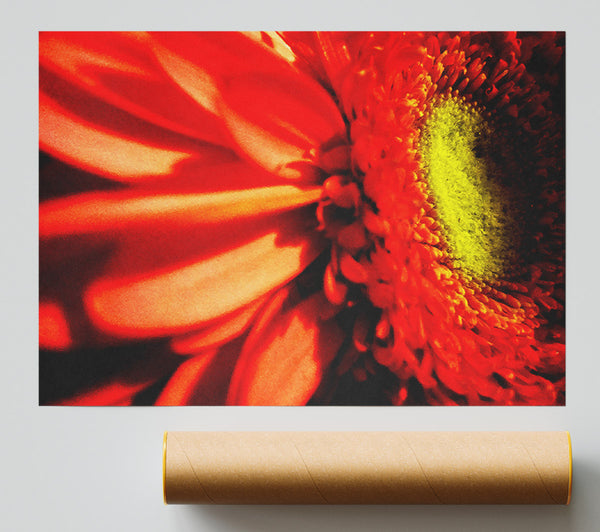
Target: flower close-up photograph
302,218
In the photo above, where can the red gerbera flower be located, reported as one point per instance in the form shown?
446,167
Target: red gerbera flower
290,218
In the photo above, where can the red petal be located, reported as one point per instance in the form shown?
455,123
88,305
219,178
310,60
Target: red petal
281,300
95,212
162,301
220,171
54,328
275,112
279,120
183,383
191,77
107,376
337,48
113,394
327,55
215,55
214,170
197,62
305,46
80,143
119,68
352,269
66,268
203,380
286,367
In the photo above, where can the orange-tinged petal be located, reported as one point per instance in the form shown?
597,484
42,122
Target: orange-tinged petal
286,367
77,102
202,380
95,212
85,55
274,42
54,328
191,77
217,334
184,382
279,303
120,68
82,144
176,299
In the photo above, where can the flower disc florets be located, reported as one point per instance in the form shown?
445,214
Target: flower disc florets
447,230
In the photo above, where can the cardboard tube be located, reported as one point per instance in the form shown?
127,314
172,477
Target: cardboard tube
367,467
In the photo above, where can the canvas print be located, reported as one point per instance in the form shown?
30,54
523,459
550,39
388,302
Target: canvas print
302,218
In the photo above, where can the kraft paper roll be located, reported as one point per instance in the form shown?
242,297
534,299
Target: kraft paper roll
367,467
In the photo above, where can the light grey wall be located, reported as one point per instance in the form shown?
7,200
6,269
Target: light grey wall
99,469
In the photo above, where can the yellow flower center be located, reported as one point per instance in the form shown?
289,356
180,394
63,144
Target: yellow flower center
463,162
